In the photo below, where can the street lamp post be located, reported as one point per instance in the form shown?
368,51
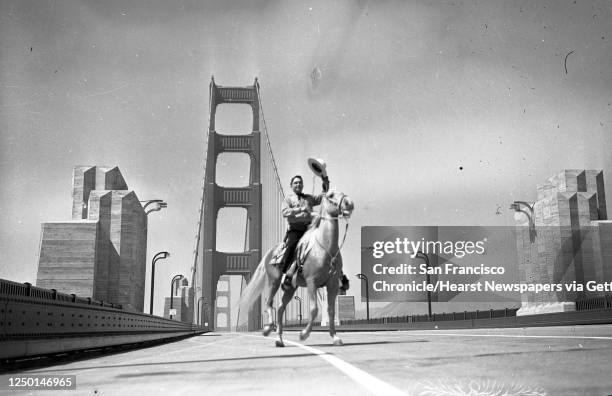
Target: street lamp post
516,206
205,319
176,278
365,278
300,308
158,204
199,310
158,256
426,258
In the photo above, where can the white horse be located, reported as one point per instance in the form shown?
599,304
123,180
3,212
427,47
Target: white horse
321,266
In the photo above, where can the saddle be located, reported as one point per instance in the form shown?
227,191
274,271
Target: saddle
301,250
277,255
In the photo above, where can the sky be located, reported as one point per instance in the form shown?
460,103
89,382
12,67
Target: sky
426,112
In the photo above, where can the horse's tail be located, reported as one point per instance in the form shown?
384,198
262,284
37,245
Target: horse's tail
256,284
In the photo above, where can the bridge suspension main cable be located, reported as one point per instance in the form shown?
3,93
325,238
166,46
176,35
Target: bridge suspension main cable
272,191
198,236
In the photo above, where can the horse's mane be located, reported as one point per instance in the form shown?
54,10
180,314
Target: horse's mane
316,220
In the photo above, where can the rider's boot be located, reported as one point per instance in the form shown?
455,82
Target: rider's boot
287,283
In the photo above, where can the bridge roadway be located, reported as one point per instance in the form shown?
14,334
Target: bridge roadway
546,360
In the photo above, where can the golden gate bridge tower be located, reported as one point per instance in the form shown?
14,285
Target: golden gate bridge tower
261,198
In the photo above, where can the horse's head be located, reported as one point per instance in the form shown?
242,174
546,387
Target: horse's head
336,204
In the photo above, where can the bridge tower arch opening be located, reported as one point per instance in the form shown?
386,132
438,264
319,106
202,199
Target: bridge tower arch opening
232,236
233,118
233,169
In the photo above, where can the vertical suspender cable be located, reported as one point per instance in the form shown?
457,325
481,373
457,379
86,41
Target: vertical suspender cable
273,175
268,143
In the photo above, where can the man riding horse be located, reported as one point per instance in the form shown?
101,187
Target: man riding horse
317,258
297,209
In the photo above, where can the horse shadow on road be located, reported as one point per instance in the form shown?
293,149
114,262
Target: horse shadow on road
349,344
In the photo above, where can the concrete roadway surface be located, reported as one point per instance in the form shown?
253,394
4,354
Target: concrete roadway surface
525,361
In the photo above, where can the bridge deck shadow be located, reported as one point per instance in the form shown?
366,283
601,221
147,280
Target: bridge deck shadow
18,365
165,363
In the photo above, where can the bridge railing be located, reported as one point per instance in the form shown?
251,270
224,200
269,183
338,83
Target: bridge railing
601,302
597,310
35,321
445,316
10,288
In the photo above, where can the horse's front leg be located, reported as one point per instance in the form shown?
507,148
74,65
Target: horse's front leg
332,292
287,295
314,309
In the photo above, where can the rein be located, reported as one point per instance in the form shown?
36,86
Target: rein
332,218
339,246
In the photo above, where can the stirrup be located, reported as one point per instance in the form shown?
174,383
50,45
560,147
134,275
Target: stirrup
287,283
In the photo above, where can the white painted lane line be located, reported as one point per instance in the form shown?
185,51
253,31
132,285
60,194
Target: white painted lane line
368,381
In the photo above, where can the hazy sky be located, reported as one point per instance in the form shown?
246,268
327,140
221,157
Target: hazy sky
427,112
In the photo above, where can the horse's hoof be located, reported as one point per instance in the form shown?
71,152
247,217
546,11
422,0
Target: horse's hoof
303,335
280,344
267,330
338,341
